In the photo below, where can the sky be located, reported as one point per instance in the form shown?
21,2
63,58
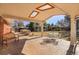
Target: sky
26,22
55,19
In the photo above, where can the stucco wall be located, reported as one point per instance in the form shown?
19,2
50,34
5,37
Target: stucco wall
7,29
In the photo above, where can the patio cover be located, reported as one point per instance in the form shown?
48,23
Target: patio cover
22,11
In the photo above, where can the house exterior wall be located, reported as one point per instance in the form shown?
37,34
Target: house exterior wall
7,29
4,28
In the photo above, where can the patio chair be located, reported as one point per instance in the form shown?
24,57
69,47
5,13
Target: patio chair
9,36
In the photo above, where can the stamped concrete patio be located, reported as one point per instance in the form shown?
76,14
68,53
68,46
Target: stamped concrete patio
34,47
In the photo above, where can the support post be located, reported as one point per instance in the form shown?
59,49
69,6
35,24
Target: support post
73,31
42,30
70,51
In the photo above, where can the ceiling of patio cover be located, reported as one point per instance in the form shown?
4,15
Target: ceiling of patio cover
22,11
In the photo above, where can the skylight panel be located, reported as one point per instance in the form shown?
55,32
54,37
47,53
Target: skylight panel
45,7
33,14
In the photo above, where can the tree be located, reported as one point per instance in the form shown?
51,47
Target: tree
49,27
60,23
20,24
52,24
15,25
65,23
31,26
45,26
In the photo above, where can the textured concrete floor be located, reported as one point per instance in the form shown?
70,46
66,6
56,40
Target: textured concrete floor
13,48
33,47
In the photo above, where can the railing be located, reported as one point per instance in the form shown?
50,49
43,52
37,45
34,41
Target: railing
59,34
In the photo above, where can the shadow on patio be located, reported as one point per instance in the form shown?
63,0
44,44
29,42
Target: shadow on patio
13,48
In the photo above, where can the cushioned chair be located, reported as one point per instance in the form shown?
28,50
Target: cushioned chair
9,36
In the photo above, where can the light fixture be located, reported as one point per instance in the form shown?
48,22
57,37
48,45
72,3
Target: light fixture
33,14
45,7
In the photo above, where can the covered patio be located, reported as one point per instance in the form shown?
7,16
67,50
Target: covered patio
39,13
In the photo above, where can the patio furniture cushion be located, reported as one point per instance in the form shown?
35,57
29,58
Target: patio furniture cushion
25,31
8,36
